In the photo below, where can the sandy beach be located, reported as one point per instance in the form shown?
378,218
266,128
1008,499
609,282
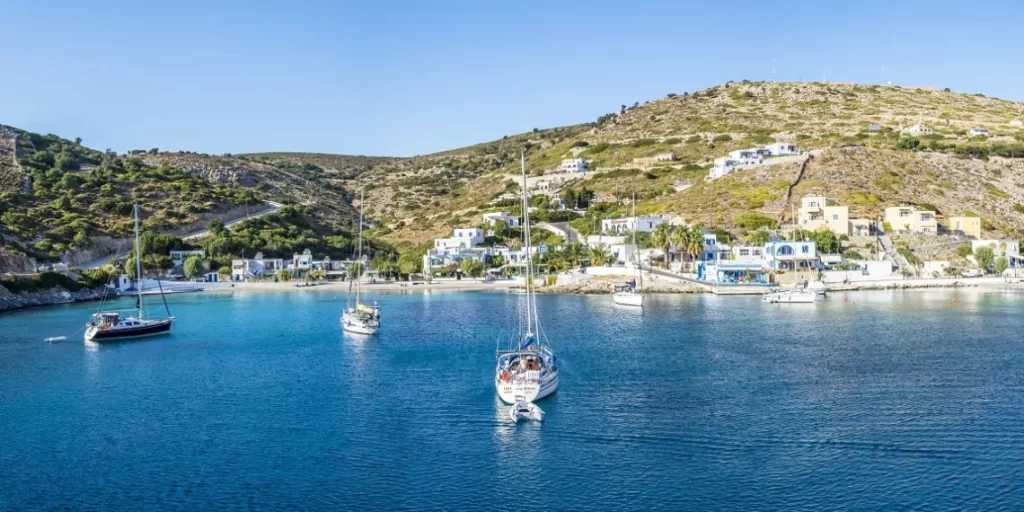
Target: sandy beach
341,287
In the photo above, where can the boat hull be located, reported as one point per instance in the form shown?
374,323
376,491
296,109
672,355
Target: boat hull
128,333
628,299
357,326
529,391
789,298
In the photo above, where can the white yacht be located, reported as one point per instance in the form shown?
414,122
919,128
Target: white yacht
360,319
111,326
631,295
789,297
527,369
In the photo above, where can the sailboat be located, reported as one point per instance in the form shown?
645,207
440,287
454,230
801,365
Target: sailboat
361,319
630,295
527,370
111,326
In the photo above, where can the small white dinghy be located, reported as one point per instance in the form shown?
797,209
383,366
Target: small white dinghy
56,339
523,410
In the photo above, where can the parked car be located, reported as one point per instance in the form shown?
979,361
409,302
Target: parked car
971,272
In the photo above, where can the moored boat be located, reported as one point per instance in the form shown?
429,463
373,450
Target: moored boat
528,370
360,319
789,297
523,410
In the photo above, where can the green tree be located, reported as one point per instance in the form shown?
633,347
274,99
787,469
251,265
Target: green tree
216,227
193,266
825,241
599,255
963,251
1002,264
224,271
662,239
472,267
984,256
284,275
573,253
759,237
694,243
354,270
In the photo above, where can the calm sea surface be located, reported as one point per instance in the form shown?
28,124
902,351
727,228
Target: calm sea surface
881,400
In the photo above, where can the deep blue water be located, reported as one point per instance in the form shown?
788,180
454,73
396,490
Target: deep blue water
884,400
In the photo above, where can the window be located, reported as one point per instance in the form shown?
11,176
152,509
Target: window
835,217
744,252
814,204
755,252
805,249
904,214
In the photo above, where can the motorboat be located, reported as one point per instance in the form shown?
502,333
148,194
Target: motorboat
527,369
789,297
523,410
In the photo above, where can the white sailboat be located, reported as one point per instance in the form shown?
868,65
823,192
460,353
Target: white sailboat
527,370
631,295
789,297
361,319
111,326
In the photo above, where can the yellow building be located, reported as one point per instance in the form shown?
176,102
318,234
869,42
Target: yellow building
970,226
911,220
815,213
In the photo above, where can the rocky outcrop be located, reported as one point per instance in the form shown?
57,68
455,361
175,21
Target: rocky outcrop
11,301
15,261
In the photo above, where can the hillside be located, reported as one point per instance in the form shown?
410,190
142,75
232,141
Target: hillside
423,197
59,198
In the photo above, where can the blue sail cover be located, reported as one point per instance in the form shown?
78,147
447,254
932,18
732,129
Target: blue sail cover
529,341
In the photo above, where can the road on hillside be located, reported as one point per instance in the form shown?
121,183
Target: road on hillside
271,207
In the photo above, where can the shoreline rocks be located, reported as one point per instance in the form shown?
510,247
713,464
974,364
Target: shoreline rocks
56,295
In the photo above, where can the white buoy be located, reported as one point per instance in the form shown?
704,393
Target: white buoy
56,339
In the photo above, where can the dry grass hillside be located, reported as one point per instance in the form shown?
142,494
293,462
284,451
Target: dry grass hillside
425,196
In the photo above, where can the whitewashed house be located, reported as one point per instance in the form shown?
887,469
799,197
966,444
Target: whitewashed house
918,129
178,259
302,263
464,238
1017,122
641,223
748,156
791,255
498,218
255,268
783,149
723,166
978,132
572,165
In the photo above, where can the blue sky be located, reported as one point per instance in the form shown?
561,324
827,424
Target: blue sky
397,78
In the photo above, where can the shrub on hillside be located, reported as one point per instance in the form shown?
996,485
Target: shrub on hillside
725,137
908,143
753,221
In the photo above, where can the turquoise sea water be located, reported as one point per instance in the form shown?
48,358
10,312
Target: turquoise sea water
881,400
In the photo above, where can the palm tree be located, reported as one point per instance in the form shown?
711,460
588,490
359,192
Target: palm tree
694,243
573,252
662,239
678,237
598,255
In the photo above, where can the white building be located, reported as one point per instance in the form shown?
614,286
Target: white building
465,238
748,156
1017,122
783,149
918,129
572,165
505,218
1005,247
873,127
747,254
255,268
178,258
629,224
723,166
978,132
302,262
791,255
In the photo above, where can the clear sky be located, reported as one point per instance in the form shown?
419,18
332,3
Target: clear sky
406,78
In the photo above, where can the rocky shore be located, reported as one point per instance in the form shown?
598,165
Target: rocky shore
597,285
57,295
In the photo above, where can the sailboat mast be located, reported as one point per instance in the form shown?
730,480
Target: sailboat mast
529,257
138,260
359,251
636,248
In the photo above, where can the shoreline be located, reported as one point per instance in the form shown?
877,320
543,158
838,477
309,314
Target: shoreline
53,297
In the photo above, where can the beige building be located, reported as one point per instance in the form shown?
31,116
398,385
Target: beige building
918,129
647,161
815,213
970,226
910,219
